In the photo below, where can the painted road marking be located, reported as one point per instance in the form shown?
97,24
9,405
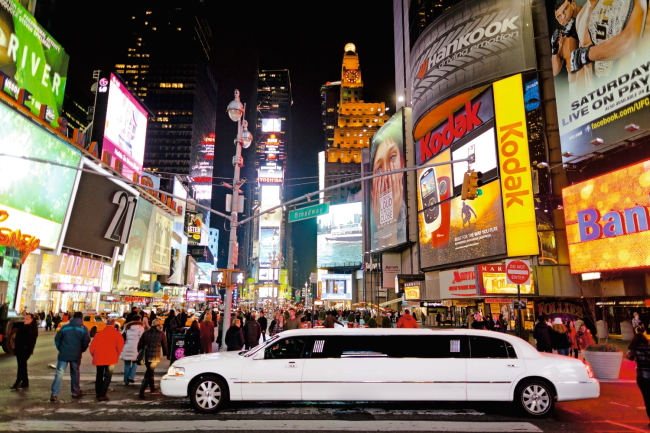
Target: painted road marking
267,425
618,404
626,426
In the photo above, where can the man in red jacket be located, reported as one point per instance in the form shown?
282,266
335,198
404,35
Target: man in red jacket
407,321
105,350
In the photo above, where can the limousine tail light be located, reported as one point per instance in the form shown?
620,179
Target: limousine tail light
590,371
176,371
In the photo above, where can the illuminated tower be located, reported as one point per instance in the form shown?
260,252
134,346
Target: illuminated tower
357,122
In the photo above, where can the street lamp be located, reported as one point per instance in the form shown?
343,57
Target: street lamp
244,138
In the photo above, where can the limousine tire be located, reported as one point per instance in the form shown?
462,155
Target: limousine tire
208,393
535,397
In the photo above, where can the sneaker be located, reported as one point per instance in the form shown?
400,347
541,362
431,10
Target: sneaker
77,395
156,391
54,398
131,381
102,398
141,395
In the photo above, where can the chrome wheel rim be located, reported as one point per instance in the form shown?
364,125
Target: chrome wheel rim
208,395
536,399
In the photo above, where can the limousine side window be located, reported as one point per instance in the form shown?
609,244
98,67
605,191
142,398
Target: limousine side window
486,347
286,348
389,346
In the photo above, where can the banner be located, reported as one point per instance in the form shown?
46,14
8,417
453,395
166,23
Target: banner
32,59
514,162
132,265
492,281
388,195
607,221
600,56
474,43
458,284
158,247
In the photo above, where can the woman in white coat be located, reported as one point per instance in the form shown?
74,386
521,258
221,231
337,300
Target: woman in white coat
132,333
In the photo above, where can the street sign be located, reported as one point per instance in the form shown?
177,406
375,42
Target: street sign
313,278
518,271
309,212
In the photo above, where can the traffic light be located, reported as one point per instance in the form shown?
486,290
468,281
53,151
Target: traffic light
471,183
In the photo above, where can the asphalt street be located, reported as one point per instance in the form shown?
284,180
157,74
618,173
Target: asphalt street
619,409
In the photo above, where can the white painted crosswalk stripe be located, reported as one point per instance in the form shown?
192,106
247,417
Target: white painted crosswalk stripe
267,425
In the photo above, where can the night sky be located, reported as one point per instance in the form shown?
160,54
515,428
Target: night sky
305,37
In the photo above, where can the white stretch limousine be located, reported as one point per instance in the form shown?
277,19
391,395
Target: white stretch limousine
383,364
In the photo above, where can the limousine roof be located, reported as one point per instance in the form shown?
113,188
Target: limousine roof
385,331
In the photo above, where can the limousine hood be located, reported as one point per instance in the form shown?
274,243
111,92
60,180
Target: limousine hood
207,357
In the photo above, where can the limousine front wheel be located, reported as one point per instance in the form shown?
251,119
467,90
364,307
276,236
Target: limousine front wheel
535,398
208,394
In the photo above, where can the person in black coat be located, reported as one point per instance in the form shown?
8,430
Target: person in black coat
25,342
193,340
542,334
639,351
234,336
263,324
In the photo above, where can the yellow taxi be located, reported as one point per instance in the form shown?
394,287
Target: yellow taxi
93,321
118,319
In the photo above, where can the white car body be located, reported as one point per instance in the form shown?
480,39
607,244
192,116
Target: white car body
459,375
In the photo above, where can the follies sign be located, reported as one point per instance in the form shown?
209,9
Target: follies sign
607,220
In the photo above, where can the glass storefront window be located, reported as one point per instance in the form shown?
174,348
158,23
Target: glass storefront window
9,271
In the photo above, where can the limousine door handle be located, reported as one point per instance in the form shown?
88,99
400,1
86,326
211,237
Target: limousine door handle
291,365
513,365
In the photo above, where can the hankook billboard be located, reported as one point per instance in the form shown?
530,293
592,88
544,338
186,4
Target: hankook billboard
473,43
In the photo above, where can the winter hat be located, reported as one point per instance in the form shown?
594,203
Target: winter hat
558,321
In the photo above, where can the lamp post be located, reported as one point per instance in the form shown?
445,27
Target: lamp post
244,138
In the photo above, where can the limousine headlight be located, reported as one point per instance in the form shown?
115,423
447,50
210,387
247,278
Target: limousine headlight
590,371
176,371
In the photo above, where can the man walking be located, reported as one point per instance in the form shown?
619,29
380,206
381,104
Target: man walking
293,322
407,321
152,341
263,324
105,350
134,312
71,341
252,332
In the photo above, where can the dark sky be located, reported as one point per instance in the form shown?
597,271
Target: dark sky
306,37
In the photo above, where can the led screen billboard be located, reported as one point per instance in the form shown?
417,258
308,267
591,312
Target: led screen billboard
202,166
483,147
607,221
271,125
600,53
336,287
269,241
35,195
388,198
339,236
158,246
470,44
457,230
270,174
131,267
32,59
125,128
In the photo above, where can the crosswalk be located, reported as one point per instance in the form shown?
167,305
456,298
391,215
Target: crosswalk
268,425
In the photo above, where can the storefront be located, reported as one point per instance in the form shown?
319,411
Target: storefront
336,291
74,297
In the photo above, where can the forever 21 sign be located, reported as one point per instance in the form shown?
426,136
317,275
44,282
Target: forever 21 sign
123,217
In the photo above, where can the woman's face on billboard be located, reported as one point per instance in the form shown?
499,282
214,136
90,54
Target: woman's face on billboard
388,157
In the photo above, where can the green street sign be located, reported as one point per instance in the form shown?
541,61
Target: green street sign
309,212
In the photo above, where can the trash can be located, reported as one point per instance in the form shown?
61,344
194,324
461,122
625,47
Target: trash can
177,347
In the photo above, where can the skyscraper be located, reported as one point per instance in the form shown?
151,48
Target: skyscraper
268,240
178,86
357,122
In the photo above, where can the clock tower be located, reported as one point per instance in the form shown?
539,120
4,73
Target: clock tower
351,83
356,122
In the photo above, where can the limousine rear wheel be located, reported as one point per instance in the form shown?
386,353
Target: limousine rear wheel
535,397
208,394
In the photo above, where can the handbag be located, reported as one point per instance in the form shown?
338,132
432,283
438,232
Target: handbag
141,356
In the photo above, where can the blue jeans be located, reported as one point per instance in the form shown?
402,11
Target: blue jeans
129,370
74,376
566,351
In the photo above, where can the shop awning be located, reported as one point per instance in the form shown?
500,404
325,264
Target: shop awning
391,302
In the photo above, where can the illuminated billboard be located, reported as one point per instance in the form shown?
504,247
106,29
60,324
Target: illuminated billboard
125,128
269,242
492,281
600,54
35,196
202,166
271,125
607,221
457,230
388,198
270,174
336,287
470,44
31,59
339,236
483,147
